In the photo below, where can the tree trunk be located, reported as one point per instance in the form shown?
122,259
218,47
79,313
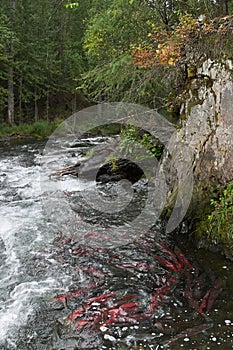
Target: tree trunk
20,97
223,7
11,120
35,105
10,113
74,102
47,106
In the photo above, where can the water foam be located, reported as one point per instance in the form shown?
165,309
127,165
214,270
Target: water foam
21,304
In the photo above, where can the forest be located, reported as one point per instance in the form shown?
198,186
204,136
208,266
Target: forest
58,56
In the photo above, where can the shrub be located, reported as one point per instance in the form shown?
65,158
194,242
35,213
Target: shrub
132,138
220,220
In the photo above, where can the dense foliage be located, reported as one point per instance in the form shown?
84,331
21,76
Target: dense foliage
57,54
219,223
133,138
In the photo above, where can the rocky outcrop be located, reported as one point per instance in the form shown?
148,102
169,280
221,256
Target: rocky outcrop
207,121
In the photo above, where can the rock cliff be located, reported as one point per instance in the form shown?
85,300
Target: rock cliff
207,121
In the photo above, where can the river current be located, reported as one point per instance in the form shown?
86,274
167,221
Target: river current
41,263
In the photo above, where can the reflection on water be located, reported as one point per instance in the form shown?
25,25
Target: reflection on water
61,290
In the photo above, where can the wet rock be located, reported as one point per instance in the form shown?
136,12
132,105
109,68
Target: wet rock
84,144
123,169
4,139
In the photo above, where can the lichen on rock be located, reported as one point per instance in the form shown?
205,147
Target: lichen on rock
208,126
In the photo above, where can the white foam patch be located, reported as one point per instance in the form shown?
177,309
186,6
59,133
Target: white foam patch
11,264
21,304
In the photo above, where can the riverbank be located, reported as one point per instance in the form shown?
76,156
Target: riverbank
42,129
39,129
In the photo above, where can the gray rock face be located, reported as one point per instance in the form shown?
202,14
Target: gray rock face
208,124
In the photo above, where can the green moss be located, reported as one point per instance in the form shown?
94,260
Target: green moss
217,45
183,116
191,71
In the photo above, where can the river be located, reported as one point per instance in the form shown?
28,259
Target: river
126,295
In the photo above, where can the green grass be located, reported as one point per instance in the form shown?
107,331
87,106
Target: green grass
38,129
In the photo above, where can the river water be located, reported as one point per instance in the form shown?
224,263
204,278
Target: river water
47,272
